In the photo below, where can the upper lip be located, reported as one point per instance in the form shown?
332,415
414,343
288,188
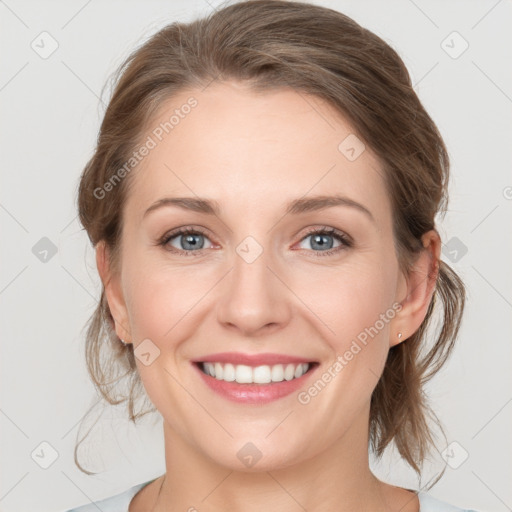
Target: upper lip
251,359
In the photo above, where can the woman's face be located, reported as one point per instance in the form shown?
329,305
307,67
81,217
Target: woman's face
251,279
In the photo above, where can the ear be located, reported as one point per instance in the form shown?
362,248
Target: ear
113,292
417,289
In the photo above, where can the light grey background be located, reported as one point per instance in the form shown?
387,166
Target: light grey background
50,117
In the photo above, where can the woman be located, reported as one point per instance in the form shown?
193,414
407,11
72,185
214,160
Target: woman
262,201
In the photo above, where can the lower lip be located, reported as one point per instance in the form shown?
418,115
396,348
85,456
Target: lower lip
254,393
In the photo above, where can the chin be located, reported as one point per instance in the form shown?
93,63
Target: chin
249,458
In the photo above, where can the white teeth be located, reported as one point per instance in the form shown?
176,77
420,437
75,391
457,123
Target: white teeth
219,370
229,374
289,372
277,373
243,374
262,374
208,369
255,375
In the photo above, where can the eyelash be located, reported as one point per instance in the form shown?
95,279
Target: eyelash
340,236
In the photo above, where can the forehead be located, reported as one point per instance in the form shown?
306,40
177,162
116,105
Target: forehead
254,150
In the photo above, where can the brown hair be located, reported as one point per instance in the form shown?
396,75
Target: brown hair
271,44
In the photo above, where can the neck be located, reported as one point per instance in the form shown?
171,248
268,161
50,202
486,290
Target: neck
335,479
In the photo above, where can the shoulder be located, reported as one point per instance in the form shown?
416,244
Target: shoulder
430,504
117,503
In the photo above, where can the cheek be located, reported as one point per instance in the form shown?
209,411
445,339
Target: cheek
162,298
163,306
349,298
164,301
354,309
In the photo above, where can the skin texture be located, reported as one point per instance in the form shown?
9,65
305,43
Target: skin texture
253,153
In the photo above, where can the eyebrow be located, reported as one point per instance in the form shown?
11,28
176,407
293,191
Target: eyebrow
295,207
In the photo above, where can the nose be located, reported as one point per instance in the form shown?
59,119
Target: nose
254,299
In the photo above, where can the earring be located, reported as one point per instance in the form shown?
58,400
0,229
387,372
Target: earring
399,335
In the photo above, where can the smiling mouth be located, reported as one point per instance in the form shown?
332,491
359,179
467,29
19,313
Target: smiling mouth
262,374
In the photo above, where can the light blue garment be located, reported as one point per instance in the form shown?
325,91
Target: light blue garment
120,503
